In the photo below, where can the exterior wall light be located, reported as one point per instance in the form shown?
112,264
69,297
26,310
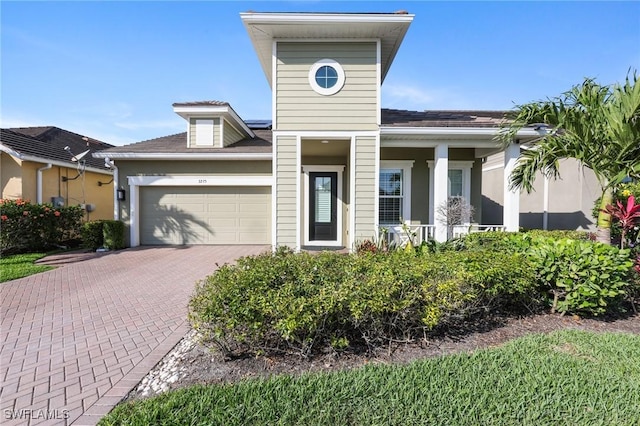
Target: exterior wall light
121,194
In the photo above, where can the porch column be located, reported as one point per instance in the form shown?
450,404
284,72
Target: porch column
511,209
440,189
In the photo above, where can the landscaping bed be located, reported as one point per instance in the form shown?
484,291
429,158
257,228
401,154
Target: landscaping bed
199,365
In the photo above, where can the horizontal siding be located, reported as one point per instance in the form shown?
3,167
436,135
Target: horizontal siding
231,135
286,201
352,108
365,190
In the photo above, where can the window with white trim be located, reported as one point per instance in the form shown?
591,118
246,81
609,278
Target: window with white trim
391,196
455,184
394,192
458,182
326,77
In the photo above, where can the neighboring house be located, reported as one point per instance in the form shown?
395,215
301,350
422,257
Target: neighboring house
330,168
35,166
563,203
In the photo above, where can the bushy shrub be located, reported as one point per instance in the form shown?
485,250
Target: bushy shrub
300,302
93,234
559,234
584,277
35,227
113,234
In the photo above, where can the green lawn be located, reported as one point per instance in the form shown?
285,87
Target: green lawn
21,265
563,378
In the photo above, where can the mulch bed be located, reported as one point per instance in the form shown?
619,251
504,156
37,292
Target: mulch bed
202,366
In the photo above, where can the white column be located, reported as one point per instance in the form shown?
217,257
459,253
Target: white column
134,217
440,189
511,210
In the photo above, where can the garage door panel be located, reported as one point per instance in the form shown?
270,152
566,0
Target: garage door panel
205,215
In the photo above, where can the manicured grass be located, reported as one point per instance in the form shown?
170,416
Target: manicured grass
563,378
21,265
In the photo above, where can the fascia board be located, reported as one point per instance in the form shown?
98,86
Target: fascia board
451,131
305,18
183,156
64,164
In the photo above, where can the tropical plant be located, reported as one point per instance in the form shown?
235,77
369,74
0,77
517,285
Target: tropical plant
597,125
627,215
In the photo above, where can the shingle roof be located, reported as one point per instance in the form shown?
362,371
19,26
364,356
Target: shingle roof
403,118
178,144
48,143
263,142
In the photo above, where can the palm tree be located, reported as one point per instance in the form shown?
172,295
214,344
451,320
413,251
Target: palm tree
597,125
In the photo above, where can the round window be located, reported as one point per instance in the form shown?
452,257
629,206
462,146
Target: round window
326,77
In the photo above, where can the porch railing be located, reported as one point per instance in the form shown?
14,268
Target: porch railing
399,235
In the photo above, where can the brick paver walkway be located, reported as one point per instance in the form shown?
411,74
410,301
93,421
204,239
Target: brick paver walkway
77,339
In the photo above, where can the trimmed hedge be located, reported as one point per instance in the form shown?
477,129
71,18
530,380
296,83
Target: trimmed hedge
302,302
103,233
92,234
113,234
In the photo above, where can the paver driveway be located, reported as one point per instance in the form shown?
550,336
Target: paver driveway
76,339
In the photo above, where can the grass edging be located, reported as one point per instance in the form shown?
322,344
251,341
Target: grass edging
566,377
20,266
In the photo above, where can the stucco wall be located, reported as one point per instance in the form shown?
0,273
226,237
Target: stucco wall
10,176
571,197
83,190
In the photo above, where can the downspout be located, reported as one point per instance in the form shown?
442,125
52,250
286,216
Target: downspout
39,182
116,203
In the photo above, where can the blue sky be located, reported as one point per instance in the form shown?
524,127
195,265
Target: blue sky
111,70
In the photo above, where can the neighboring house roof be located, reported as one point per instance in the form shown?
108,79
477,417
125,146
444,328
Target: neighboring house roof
47,144
404,118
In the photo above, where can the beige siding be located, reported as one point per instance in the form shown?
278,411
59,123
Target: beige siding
352,108
286,202
205,215
365,189
231,135
216,131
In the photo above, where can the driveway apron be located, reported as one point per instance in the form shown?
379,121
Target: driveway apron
76,339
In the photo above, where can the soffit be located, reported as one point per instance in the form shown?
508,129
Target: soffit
264,28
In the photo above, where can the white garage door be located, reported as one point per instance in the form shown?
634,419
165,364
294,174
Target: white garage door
205,215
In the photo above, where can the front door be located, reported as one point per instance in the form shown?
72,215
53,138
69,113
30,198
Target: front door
323,206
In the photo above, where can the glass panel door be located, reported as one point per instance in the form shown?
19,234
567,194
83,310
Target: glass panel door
323,209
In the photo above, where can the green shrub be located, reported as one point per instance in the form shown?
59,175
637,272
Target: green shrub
584,277
33,227
559,234
301,302
93,234
113,234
